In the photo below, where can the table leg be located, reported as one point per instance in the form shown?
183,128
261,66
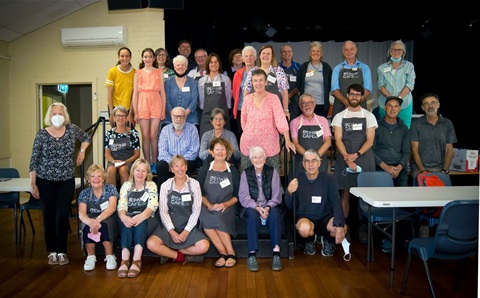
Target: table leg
369,235
394,237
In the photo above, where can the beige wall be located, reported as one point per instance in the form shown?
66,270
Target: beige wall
39,58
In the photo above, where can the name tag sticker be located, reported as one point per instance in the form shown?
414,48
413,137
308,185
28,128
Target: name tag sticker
387,69
354,69
104,205
316,199
271,79
110,142
357,126
144,197
186,89
293,78
216,84
186,198
225,183
309,74
319,133
165,76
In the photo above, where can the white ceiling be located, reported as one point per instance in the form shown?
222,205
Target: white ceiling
20,17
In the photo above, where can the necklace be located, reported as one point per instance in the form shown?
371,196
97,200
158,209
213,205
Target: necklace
317,68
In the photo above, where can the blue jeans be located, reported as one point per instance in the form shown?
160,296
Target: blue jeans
134,235
274,223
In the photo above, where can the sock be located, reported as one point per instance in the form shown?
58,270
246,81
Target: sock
180,257
251,254
276,253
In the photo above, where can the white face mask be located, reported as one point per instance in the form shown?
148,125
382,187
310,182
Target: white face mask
57,120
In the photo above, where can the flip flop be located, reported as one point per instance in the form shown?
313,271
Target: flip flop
231,257
219,263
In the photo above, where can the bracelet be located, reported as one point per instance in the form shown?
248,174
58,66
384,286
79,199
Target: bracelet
286,110
359,154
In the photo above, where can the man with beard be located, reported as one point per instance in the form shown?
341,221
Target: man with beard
178,137
354,131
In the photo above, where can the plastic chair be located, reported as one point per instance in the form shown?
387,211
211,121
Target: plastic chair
10,199
32,204
381,218
456,238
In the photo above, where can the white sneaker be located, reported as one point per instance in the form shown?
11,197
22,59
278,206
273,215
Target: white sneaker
90,263
111,262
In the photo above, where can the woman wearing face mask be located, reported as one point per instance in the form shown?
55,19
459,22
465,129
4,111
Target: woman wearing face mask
52,176
396,77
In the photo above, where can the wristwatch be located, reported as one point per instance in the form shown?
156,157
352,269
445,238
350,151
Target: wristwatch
286,110
99,217
359,154
82,150
446,171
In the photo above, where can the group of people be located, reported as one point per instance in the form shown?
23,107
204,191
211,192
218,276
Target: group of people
186,117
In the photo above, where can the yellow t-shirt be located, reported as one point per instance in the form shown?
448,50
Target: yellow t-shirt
122,82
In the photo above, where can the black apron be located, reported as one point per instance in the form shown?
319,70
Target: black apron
120,147
347,77
272,86
179,210
215,97
292,83
95,208
310,137
137,201
354,135
218,188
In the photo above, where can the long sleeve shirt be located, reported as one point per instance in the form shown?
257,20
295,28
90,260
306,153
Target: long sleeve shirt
248,202
170,144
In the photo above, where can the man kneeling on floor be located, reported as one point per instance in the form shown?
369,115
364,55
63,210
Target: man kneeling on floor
318,206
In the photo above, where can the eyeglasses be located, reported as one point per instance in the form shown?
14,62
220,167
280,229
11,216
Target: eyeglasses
202,57
161,55
178,116
120,116
258,157
397,50
427,104
312,161
355,94
307,103
218,119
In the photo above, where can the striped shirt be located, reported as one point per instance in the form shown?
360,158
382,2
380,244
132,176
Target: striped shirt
170,144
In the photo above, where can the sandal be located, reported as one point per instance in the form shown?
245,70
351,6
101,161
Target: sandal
219,263
132,272
231,264
122,273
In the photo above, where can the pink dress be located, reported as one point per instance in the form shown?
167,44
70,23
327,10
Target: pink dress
262,125
149,104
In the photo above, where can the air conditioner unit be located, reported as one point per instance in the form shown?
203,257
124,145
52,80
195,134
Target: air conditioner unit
94,36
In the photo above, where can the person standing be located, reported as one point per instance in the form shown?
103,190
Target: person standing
354,130
120,85
249,55
290,68
52,176
396,77
310,131
96,210
315,78
432,137
276,82
149,101
263,121
164,63
346,73
214,91
201,60
392,143
185,49
182,91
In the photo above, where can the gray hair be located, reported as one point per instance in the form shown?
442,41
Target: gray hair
217,111
121,109
249,48
180,59
311,152
257,149
48,115
393,44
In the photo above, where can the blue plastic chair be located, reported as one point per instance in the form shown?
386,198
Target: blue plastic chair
381,218
456,238
10,199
